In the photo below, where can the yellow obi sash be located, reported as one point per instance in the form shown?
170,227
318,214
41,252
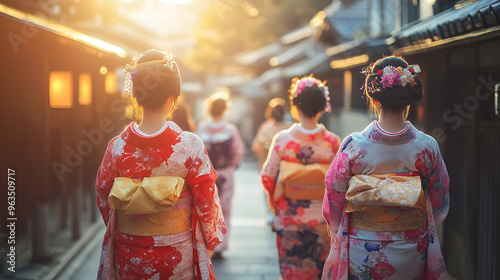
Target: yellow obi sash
386,202
152,206
303,181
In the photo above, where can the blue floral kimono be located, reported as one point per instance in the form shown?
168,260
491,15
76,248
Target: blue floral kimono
386,195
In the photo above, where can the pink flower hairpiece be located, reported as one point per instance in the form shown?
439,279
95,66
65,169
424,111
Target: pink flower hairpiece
392,76
299,85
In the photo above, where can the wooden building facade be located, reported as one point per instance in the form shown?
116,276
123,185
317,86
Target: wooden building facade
61,105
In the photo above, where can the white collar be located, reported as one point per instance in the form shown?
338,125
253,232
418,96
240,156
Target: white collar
309,131
140,133
393,133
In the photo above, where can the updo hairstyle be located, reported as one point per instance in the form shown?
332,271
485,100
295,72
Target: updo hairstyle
153,84
218,104
396,97
309,95
276,109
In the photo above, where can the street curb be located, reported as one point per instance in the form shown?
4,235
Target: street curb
70,254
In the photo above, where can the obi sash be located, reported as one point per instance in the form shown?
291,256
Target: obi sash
386,202
158,205
299,181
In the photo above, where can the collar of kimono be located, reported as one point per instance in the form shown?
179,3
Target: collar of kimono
375,134
168,136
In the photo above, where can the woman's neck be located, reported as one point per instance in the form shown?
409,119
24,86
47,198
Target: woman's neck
392,121
309,123
152,121
218,118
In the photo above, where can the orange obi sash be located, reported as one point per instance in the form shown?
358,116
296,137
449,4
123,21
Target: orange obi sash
299,181
386,202
152,206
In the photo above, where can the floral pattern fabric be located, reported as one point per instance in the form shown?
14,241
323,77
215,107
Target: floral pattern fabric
264,137
226,150
360,254
301,231
171,152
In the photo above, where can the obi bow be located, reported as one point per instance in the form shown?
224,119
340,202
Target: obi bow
151,195
368,191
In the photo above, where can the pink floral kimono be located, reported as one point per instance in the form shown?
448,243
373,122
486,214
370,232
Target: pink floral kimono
293,176
158,199
387,193
225,149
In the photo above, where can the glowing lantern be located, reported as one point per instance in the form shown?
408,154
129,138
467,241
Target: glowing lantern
103,70
85,89
61,89
110,83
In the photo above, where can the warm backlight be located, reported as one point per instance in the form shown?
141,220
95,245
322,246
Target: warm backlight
85,89
61,89
350,62
110,83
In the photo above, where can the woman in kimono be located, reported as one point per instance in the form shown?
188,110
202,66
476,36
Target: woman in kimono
275,113
293,176
225,149
182,117
387,188
156,187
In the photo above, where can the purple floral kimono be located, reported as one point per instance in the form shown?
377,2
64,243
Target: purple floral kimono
226,150
386,252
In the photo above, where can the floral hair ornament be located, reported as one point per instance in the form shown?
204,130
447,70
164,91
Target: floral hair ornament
131,69
298,85
392,76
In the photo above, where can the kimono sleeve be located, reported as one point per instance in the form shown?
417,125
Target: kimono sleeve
439,187
257,146
336,182
238,148
270,170
201,177
105,179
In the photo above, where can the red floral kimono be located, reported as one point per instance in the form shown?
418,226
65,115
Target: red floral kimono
293,178
185,252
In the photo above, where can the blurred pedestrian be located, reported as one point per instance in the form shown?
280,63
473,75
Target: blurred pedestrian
294,175
275,113
225,149
156,187
182,117
387,189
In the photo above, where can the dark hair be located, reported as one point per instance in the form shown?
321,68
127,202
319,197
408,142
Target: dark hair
278,112
395,98
182,117
275,109
218,107
155,83
310,101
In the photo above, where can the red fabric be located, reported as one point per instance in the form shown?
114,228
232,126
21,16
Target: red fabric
164,259
170,153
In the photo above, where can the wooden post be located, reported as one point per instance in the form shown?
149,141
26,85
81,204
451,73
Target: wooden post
63,214
39,251
75,203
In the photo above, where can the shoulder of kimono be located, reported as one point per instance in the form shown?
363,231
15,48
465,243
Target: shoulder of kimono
428,141
189,136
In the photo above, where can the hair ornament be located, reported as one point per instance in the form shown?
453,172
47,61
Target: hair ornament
392,76
131,69
298,85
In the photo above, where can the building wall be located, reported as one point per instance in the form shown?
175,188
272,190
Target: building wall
458,111
38,136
